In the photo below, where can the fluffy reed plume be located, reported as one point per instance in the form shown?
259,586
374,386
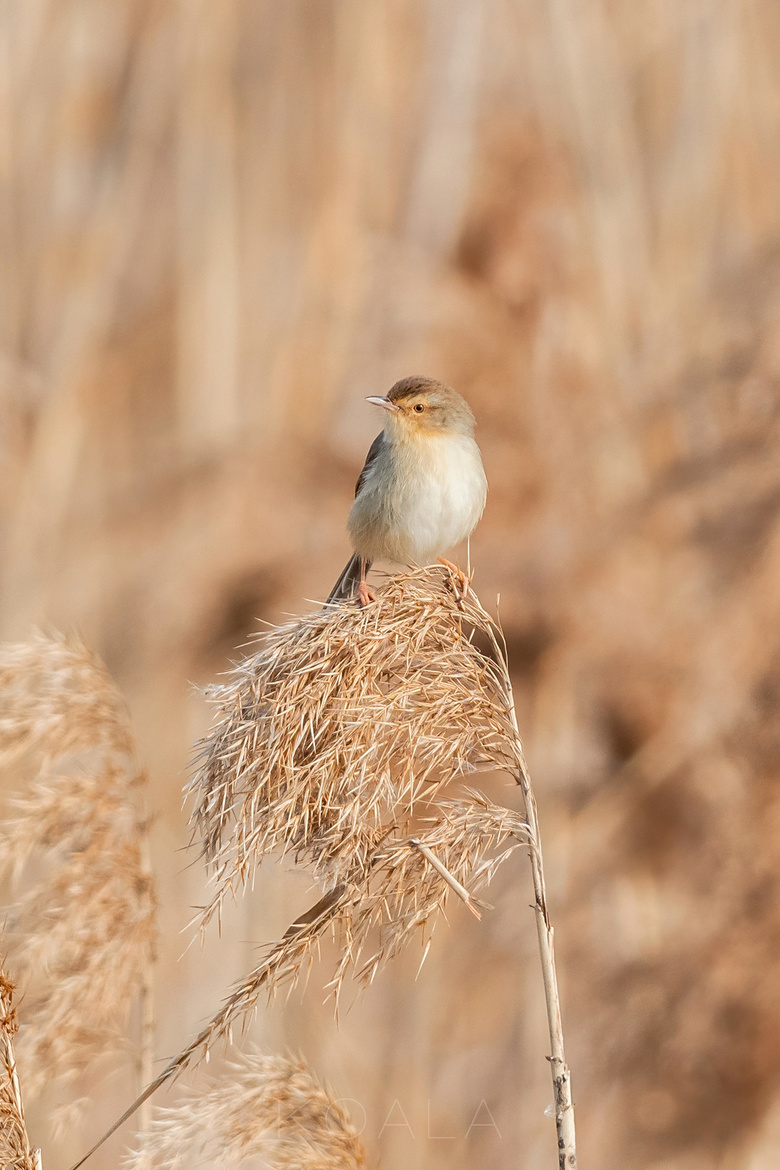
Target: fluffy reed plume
15,1150
397,889
344,724
82,931
332,739
265,1106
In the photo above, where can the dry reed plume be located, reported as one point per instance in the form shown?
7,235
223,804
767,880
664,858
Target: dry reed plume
82,932
342,727
15,1150
332,744
267,1106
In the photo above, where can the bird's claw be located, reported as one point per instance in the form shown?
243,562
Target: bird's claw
461,584
365,595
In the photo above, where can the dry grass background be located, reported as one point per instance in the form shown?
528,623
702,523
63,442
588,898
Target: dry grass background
222,226
80,934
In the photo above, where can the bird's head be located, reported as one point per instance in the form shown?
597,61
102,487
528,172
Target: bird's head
423,406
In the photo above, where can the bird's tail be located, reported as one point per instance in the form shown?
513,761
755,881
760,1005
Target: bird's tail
344,589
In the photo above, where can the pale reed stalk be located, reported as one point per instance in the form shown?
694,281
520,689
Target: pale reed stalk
561,1075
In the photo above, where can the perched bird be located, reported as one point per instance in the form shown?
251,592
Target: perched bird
422,488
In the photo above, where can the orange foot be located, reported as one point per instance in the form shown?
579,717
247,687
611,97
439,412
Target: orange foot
365,595
460,576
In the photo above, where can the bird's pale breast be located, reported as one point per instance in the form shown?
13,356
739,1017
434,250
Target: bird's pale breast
419,499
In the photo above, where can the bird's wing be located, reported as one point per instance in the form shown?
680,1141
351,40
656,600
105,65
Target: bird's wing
373,454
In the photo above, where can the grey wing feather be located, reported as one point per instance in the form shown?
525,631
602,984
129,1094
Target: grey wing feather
371,458
345,586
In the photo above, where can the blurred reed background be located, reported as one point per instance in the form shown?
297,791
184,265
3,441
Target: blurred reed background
223,225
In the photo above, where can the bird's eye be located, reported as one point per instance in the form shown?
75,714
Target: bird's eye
418,406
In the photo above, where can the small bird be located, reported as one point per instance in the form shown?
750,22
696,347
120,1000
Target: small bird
422,488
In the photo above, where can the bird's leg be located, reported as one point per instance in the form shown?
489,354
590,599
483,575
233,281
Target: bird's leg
460,576
365,595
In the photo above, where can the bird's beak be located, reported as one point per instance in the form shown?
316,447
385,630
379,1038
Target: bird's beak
378,400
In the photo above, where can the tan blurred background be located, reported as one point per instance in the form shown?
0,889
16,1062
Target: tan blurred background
226,222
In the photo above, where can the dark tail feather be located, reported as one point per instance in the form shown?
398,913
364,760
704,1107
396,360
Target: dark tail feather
344,589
